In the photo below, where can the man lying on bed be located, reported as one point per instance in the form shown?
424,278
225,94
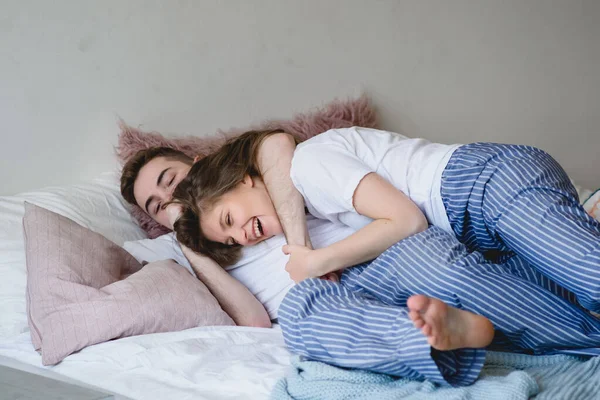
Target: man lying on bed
148,180
446,328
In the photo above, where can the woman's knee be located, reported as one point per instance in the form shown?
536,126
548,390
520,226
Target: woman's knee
537,168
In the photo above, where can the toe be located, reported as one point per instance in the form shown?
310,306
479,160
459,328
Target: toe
426,329
418,302
414,315
418,323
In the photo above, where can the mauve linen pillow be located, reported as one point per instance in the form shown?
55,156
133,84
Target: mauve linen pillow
336,114
83,289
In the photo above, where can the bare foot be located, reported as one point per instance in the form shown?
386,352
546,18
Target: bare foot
447,327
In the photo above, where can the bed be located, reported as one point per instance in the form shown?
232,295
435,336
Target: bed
200,363
225,362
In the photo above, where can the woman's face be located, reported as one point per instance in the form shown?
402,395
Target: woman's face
244,215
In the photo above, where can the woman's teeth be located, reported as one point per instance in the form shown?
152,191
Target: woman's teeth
257,230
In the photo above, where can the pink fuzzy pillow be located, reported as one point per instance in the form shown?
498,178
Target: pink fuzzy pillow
337,114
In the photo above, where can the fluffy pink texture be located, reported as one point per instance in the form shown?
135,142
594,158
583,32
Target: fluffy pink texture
83,289
336,114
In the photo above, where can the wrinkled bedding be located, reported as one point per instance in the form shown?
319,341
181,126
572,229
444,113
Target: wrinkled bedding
200,363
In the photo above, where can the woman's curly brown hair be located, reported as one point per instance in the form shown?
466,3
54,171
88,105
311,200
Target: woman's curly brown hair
208,180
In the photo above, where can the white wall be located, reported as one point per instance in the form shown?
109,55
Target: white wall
523,71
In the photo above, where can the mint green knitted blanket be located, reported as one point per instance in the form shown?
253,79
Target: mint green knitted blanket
505,376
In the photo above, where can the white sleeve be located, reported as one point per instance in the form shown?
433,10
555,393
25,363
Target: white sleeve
327,175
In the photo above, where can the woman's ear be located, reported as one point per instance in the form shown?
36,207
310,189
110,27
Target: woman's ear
196,159
248,181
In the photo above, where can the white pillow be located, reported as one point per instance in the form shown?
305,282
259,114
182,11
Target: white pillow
164,247
96,205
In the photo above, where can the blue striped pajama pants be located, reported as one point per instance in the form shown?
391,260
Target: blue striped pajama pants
503,200
362,322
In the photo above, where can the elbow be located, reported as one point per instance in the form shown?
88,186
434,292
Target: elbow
279,142
263,324
259,322
421,224
256,319
412,225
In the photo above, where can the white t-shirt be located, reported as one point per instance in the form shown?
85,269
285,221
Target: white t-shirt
261,268
327,169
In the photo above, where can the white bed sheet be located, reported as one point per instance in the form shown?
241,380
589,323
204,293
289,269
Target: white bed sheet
200,363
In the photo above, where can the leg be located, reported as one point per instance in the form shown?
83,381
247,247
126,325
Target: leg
518,199
326,322
435,264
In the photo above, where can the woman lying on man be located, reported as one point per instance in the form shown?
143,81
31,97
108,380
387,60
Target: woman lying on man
508,248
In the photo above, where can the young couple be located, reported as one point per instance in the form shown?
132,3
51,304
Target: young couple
509,249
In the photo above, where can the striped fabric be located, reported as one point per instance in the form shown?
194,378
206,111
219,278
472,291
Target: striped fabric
362,322
507,199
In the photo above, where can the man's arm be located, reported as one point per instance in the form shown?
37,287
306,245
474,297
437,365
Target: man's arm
274,161
235,299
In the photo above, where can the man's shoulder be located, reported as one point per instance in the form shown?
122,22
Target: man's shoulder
161,248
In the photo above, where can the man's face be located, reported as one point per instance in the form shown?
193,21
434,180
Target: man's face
155,184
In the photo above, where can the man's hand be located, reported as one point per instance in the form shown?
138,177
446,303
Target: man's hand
306,263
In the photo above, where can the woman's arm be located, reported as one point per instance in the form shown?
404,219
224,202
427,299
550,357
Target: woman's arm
395,218
235,299
274,161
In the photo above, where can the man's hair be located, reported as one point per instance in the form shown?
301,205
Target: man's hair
132,168
208,180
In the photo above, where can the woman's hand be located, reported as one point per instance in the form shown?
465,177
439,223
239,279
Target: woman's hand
173,213
305,263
